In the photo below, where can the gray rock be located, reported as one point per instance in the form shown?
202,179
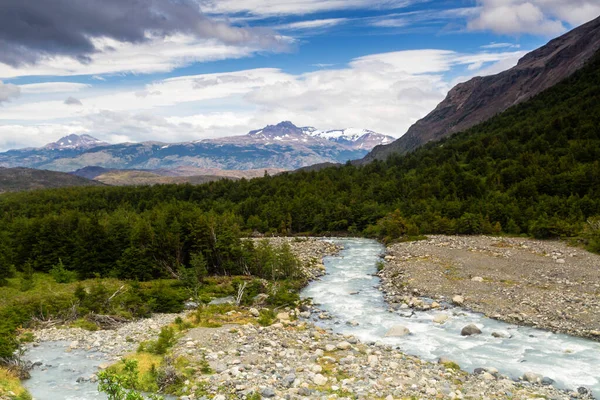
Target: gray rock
267,392
547,381
288,380
470,330
532,377
397,331
191,305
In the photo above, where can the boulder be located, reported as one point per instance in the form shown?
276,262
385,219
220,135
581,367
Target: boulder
470,330
283,316
458,300
440,318
477,279
397,331
532,377
343,345
319,380
254,312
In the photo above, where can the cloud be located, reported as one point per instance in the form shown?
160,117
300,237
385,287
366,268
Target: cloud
72,101
385,92
154,56
539,17
492,46
312,24
296,7
8,91
33,31
53,87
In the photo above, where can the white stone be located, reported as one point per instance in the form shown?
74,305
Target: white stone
319,380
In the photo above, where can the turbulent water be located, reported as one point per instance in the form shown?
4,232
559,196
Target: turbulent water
349,293
56,378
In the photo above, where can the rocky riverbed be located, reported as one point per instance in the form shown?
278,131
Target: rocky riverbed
296,360
544,284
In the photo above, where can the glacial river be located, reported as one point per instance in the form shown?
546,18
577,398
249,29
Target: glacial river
349,293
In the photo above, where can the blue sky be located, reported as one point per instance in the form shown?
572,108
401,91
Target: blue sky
212,68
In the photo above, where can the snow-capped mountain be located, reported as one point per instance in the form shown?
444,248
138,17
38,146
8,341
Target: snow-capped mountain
357,138
75,142
283,146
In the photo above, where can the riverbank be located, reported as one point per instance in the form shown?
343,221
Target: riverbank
543,284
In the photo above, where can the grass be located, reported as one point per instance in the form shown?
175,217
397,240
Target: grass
215,316
9,383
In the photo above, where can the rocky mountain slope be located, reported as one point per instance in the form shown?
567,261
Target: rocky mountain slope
283,147
19,179
481,98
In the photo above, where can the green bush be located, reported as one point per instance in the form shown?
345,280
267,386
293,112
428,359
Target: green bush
61,274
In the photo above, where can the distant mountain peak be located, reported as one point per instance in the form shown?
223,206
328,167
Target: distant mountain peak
74,141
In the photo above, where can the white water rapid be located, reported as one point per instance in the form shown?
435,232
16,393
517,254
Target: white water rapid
349,292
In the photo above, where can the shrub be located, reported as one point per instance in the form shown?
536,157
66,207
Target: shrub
61,274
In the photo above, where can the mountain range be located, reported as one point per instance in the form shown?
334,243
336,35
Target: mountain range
476,101
283,146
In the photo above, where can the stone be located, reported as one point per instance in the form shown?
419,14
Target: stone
373,360
470,330
260,299
190,305
329,347
267,392
501,335
477,279
397,331
440,318
288,380
435,304
547,381
319,380
254,312
283,316
532,377
343,345
458,300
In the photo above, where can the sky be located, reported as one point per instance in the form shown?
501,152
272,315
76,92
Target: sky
182,70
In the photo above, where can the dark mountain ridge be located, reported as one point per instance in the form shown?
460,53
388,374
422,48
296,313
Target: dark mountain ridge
481,98
20,179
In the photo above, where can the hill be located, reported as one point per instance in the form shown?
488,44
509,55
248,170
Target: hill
19,179
481,98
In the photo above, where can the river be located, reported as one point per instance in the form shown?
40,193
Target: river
349,292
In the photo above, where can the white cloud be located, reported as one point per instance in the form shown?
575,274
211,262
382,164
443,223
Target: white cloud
384,92
8,91
312,24
492,46
160,55
53,87
296,7
540,17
